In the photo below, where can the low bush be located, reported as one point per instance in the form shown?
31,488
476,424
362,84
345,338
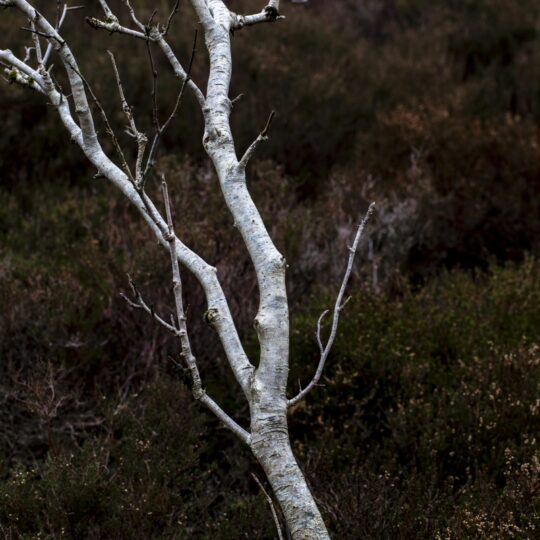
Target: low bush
427,426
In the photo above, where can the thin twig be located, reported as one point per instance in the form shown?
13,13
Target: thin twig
155,118
263,136
37,45
139,303
160,130
171,17
140,137
133,16
148,25
60,18
108,13
339,305
271,503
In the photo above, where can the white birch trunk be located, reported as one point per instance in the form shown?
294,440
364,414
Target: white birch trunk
269,431
271,446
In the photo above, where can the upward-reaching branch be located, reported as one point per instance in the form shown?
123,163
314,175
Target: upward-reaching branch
263,136
132,130
187,355
82,108
171,17
340,304
160,129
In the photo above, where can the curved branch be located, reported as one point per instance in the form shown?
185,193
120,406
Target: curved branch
340,304
76,82
263,136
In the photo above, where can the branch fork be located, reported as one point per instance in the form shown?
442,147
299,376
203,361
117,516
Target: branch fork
263,136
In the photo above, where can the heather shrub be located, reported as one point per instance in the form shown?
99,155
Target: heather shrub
398,95
147,473
426,426
430,409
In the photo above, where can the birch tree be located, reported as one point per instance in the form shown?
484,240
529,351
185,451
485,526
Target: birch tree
262,381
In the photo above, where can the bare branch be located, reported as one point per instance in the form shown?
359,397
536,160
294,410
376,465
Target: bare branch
20,72
155,118
269,14
160,130
140,137
171,17
139,303
235,100
181,333
60,18
45,29
272,508
318,333
263,136
108,128
59,21
134,17
179,70
37,44
187,355
226,420
108,13
112,25
339,305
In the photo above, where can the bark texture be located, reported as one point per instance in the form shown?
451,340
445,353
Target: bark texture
269,431
271,446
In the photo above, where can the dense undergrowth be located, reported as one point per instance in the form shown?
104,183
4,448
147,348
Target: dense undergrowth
427,425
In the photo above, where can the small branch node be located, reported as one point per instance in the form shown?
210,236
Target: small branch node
263,136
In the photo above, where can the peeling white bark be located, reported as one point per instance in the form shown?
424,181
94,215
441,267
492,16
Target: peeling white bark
264,386
269,432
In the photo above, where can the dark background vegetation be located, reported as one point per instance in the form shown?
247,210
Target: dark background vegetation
428,422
